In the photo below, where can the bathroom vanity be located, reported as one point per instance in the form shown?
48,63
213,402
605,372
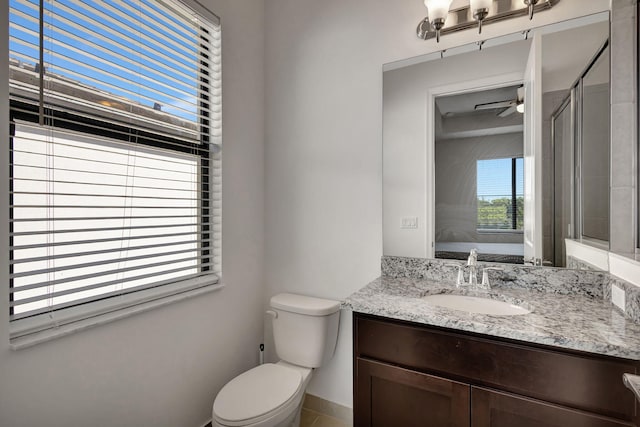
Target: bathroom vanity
406,373
417,364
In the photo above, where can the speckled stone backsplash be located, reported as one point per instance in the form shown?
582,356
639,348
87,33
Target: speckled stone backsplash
580,278
544,279
632,296
632,292
578,264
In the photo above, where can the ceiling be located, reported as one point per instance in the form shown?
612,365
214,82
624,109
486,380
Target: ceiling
565,54
458,117
464,103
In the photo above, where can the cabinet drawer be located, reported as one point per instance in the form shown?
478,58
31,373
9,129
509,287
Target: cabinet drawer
579,380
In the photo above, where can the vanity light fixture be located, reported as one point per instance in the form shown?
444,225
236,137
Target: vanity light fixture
530,5
437,11
441,20
480,10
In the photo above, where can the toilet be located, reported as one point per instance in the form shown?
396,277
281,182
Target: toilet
305,331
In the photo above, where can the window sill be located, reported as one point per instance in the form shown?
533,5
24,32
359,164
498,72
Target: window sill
29,340
595,243
498,231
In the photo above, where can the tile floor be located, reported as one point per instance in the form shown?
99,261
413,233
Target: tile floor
310,418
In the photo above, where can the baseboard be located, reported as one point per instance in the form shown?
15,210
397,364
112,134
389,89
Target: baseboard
328,408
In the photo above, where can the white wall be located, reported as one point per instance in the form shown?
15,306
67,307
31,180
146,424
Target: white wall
162,367
324,143
456,186
595,164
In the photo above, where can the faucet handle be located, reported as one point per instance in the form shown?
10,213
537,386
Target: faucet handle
460,279
485,276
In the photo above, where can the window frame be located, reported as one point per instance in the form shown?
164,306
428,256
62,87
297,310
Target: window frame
514,197
31,330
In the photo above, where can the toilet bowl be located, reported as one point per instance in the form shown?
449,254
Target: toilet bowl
305,331
268,395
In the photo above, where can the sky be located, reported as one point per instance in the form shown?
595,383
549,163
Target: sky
494,178
115,48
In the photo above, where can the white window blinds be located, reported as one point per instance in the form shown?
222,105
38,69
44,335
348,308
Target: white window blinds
115,153
500,194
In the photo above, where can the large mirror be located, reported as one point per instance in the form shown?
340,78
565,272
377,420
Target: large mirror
503,149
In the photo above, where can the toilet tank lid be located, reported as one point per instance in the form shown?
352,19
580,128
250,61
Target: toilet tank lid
303,304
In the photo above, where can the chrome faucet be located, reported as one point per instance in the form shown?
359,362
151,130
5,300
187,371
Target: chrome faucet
472,263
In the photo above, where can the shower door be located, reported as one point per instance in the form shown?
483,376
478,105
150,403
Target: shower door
580,139
562,140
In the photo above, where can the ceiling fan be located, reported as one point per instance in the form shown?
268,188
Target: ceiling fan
510,106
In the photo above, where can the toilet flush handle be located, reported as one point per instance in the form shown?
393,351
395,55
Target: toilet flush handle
272,313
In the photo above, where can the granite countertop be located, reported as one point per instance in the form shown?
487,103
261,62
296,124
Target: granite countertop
569,321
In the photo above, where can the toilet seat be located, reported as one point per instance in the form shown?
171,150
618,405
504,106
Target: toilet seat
258,394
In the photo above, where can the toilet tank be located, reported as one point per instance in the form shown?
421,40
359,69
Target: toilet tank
305,329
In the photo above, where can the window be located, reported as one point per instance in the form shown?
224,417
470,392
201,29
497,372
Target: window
500,194
115,156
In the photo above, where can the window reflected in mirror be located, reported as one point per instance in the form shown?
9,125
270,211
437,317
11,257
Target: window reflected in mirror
500,189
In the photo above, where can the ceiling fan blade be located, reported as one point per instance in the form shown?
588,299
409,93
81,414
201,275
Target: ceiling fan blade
494,105
509,111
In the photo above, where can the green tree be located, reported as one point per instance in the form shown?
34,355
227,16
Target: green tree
496,214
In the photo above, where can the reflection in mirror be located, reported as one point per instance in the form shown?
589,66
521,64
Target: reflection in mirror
580,135
475,191
594,155
479,180
563,174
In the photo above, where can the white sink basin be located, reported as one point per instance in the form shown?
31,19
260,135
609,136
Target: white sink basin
478,305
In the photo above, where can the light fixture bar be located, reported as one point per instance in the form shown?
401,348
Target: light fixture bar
454,23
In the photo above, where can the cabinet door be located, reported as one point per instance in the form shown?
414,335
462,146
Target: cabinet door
495,409
577,380
389,396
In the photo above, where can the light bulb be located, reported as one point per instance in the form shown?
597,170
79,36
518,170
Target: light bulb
520,108
438,11
480,4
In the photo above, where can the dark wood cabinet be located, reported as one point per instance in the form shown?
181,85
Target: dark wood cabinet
393,396
490,408
407,374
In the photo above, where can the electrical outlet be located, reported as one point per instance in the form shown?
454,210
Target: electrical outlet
617,297
409,222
